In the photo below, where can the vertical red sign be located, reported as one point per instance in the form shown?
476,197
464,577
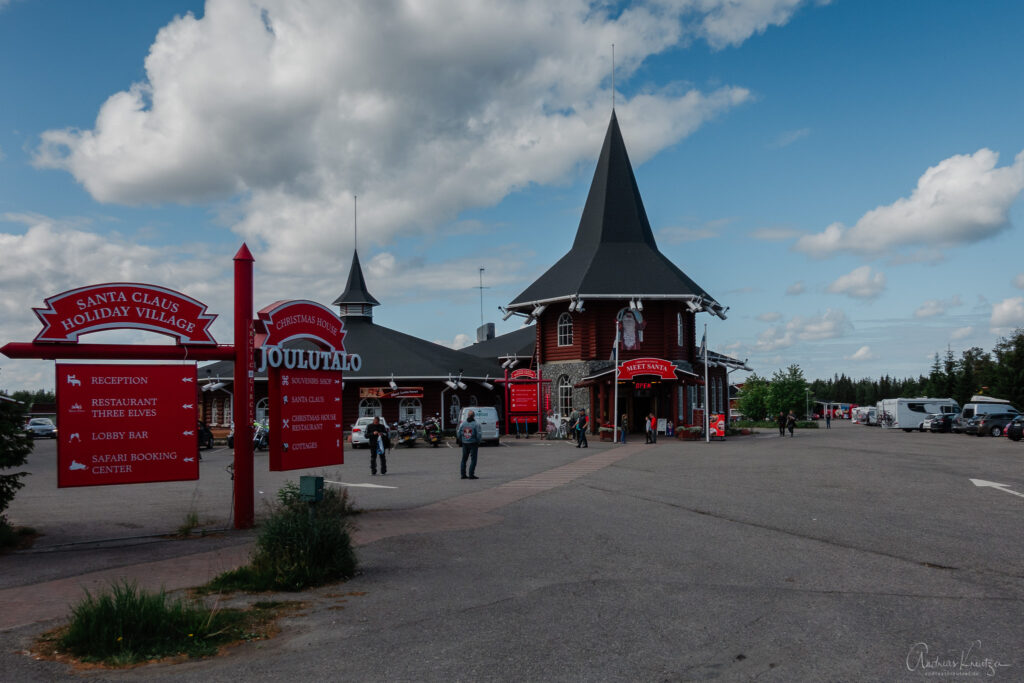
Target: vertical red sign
523,397
306,422
126,424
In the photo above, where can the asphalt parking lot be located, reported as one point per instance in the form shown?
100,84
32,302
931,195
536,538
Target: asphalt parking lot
847,554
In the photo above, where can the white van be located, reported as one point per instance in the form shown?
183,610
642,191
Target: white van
909,414
487,416
983,405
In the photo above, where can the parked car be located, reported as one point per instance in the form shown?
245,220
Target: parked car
958,423
358,437
41,428
1015,430
941,422
926,423
991,424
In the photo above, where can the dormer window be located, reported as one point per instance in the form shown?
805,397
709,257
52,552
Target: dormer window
565,330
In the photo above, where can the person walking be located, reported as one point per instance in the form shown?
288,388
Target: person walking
647,428
790,422
469,437
654,428
624,427
379,442
780,421
582,423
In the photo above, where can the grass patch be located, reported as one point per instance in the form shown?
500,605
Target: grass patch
299,546
126,625
16,537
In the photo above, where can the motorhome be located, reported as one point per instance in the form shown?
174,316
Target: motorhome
981,405
908,414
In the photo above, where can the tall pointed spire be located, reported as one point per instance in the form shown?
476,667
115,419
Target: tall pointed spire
614,253
356,299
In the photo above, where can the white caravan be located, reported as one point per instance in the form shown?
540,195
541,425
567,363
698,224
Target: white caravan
983,405
908,413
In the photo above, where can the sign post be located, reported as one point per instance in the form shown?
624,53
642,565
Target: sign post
245,380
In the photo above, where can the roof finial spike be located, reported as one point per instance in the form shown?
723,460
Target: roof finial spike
355,221
613,77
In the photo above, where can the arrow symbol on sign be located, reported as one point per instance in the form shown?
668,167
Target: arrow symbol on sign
186,379
1005,488
190,459
188,433
186,406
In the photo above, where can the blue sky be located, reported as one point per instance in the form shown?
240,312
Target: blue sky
842,175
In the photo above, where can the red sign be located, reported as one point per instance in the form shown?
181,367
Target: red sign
287,320
124,306
647,366
306,428
523,396
716,427
126,424
388,392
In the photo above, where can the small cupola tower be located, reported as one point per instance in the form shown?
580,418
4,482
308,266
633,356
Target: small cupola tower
356,300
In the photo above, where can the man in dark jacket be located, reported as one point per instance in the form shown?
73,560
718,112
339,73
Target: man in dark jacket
469,437
379,442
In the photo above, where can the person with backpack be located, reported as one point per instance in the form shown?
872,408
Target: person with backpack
469,437
379,442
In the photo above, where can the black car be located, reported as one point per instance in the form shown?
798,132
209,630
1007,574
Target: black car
1015,430
941,423
992,424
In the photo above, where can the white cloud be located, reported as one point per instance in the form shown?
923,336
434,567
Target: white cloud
1007,315
796,288
788,138
387,275
1018,281
862,354
771,317
934,307
461,341
422,109
830,325
962,332
860,283
961,200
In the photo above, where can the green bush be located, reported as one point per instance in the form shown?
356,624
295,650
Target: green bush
299,546
15,447
128,625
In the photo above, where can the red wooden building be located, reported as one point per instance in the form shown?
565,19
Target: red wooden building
615,288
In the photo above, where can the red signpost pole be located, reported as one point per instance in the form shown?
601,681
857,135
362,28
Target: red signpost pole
243,395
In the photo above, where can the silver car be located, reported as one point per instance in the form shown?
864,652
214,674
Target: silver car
41,428
358,437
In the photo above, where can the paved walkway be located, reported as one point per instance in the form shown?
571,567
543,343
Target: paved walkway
40,602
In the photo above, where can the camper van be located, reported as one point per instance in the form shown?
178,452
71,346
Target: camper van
908,414
980,405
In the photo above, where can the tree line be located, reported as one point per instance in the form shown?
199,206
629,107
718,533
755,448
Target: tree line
999,373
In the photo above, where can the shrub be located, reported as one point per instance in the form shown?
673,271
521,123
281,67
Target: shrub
299,546
15,446
128,625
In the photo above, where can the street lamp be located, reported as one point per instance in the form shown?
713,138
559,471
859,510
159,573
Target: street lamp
807,404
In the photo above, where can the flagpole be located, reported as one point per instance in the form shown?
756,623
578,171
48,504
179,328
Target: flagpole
615,404
707,406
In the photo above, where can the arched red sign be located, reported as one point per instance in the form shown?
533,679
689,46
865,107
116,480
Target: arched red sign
124,306
299,319
647,366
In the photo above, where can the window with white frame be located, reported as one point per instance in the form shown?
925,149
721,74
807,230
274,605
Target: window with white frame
370,407
263,410
564,396
410,410
679,329
565,330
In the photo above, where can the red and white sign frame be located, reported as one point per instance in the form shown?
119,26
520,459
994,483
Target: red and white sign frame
637,367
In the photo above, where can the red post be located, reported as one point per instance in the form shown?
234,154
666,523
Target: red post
245,377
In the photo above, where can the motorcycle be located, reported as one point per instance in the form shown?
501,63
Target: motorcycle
432,432
260,436
407,433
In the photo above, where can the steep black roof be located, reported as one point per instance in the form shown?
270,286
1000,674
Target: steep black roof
355,291
520,342
614,252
